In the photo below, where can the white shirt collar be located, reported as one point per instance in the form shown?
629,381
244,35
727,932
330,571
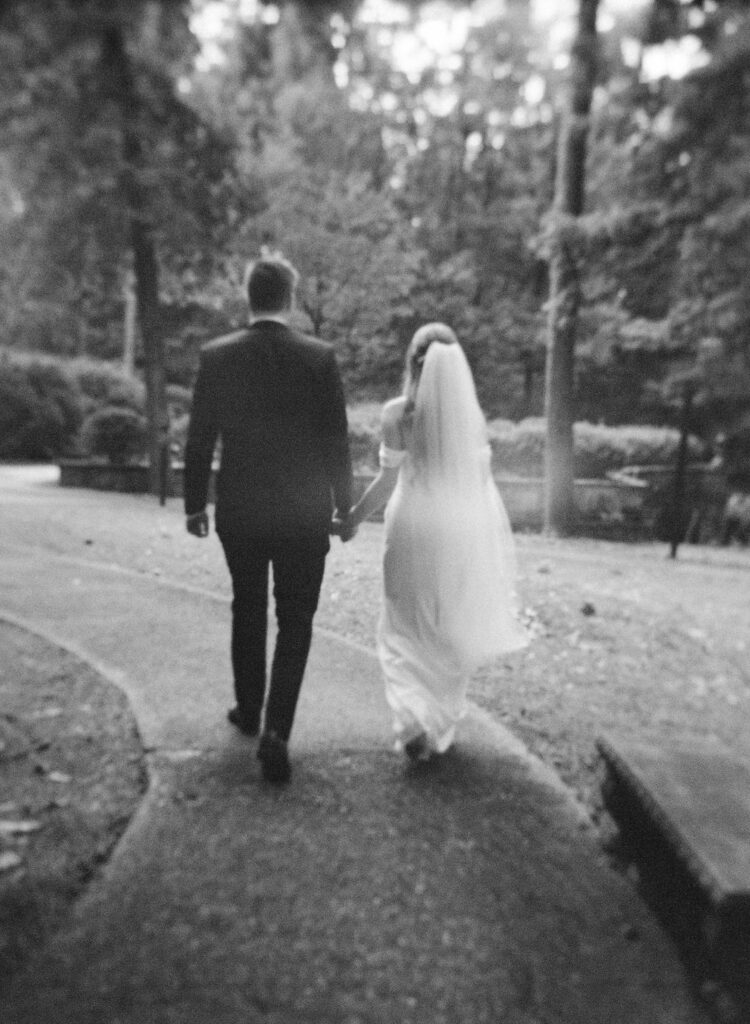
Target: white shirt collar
278,318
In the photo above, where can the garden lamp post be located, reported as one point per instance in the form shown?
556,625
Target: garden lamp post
678,516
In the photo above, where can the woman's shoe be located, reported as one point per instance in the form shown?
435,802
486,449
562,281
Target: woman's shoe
417,749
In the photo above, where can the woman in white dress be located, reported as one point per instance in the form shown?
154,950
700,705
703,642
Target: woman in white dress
449,565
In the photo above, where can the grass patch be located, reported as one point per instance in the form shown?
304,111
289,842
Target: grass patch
71,768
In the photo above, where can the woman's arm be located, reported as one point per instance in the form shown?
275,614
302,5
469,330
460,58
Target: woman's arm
382,487
376,495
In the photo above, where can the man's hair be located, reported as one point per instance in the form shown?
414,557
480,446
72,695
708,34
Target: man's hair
270,285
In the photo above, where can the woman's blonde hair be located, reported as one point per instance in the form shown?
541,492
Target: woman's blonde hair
415,355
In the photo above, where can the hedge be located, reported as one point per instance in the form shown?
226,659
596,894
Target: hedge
364,434
44,400
115,432
106,384
518,449
41,409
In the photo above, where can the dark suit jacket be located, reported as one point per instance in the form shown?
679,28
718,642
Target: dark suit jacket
275,400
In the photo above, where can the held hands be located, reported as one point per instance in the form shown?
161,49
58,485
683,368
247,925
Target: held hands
345,528
197,524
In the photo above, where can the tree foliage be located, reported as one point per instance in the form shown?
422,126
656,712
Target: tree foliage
672,254
403,192
62,273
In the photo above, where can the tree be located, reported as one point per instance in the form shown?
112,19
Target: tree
358,265
469,138
105,157
145,266
324,200
565,282
668,259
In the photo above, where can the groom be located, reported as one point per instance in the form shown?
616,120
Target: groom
274,399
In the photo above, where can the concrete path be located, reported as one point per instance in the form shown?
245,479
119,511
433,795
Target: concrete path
363,892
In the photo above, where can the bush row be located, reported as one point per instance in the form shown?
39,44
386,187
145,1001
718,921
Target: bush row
518,448
50,408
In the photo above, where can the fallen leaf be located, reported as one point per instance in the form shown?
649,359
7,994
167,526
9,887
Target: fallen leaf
18,828
9,860
55,805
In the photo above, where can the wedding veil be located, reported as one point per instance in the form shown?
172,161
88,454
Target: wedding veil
462,541
448,428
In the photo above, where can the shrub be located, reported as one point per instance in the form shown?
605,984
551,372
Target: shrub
364,434
107,384
518,449
179,400
600,449
116,432
41,410
178,428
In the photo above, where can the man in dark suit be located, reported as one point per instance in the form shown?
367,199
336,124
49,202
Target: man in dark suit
274,399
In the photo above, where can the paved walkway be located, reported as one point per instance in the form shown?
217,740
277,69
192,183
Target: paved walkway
363,892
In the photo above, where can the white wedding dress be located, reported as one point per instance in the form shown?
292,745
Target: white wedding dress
449,565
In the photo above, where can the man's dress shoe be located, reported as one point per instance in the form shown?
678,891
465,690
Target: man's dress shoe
248,726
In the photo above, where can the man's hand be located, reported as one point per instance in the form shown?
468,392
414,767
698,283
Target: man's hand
348,529
197,524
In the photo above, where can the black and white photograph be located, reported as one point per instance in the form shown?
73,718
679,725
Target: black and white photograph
375,511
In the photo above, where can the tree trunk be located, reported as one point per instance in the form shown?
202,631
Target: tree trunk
147,294
565,289
129,325
145,265
303,47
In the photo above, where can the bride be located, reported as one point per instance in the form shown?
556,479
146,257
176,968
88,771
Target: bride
449,565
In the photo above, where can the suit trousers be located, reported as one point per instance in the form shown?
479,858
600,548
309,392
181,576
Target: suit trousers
297,577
